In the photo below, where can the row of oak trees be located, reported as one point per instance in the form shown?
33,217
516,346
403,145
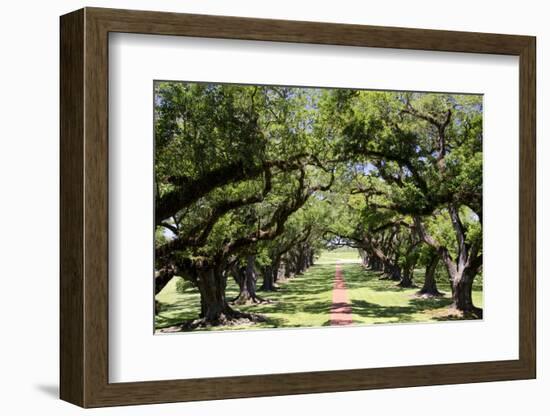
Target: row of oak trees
251,178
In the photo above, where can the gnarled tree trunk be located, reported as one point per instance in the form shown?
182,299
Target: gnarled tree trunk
407,275
391,272
406,280
270,273
461,270
290,266
461,283
246,278
429,288
375,264
215,310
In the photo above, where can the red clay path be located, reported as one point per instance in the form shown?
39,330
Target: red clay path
340,312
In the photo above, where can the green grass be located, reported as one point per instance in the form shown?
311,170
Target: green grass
302,301
305,301
344,254
375,301
179,301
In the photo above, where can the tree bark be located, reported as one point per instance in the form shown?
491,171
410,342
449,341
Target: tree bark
247,279
463,270
214,307
430,285
462,293
280,272
270,273
300,261
375,264
290,266
268,278
406,280
364,258
391,272
187,190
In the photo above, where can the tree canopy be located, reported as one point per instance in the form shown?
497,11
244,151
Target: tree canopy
252,177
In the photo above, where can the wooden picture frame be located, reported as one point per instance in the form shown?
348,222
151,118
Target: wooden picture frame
84,207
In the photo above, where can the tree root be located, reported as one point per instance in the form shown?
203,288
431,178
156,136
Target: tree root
452,313
234,318
473,313
249,300
429,294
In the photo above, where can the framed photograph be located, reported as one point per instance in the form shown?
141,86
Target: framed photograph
255,207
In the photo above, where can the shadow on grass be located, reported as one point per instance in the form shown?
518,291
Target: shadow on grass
318,307
298,294
359,277
372,310
304,299
186,308
179,316
423,304
401,314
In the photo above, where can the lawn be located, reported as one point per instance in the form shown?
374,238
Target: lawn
343,255
375,301
305,301
300,301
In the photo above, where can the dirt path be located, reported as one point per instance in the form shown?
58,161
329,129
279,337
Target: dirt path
340,312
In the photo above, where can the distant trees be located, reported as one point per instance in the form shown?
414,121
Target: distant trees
252,181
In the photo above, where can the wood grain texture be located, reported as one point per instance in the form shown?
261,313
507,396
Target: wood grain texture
96,208
71,100
162,23
527,208
84,207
